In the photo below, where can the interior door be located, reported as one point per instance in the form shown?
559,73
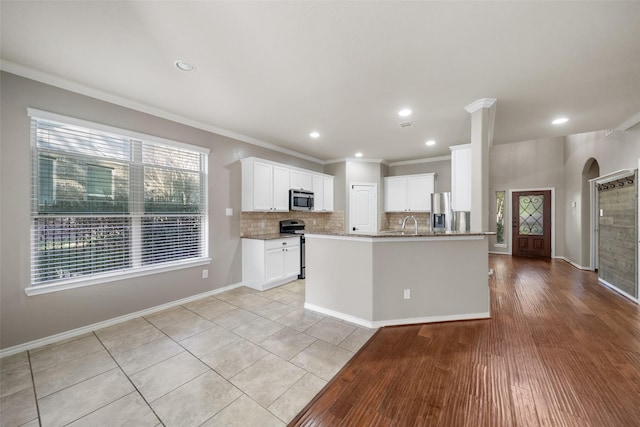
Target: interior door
531,223
363,202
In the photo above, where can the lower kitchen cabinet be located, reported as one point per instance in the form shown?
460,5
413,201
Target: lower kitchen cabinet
269,263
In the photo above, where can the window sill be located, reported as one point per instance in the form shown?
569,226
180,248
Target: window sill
111,277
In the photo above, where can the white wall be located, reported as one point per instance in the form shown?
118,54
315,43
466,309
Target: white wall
620,150
527,165
24,318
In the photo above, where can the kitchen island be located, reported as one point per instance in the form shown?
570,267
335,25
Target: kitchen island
395,279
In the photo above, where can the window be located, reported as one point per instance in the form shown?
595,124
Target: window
108,203
500,217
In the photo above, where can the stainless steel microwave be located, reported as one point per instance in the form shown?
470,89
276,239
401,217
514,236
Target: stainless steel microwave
300,200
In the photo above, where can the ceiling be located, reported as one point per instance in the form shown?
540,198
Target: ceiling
275,71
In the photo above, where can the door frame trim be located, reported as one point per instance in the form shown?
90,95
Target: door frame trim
350,188
553,216
594,226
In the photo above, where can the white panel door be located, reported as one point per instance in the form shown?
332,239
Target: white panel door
274,264
318,193
419,189
395,194
461,179
363,202
328,194
262,186
291,260
301,180
280,188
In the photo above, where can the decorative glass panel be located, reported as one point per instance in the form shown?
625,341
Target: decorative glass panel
531,213
500,217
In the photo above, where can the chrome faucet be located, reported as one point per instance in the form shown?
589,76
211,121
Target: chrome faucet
415,221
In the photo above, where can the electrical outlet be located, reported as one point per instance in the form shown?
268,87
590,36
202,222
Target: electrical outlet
314,222
399,222
205,274
407,294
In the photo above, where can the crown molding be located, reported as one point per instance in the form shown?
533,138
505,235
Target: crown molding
459,147
622,173
629,123
355,159
62,83
418,161
480,103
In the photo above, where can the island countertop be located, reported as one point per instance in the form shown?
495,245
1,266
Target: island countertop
403,235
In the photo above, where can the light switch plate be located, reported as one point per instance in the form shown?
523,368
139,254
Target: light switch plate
229,211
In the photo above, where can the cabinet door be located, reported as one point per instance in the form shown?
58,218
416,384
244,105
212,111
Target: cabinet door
291,261
419,189
274,264
301,180
395,194
318,193
461,179
262,186
328,194
280,188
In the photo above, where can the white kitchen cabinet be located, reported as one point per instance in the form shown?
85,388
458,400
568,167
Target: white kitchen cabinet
461,177
328,194
323,193
269,263
265,186
408,193
301,180
395,194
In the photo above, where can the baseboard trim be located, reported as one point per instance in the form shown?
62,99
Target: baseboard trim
395,322
618,290
578,266
339,315
95,326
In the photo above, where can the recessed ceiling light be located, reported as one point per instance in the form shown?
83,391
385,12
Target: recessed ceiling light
404,112
358,154
314,134
184,66
560,121
430,142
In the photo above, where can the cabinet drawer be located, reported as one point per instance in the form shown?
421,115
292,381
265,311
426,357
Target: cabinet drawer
282,243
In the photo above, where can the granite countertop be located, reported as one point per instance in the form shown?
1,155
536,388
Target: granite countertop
271,236
409,234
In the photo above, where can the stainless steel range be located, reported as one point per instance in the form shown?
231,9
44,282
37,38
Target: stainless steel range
295,226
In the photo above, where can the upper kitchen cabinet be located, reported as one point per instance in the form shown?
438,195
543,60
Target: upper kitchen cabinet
265,186
323,193
409,193
301,180
461,177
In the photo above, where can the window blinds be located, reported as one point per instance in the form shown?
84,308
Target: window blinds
106,203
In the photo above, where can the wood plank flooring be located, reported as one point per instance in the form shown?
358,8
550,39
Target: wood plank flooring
559,350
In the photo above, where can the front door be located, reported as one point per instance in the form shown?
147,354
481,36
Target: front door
363,202
531,223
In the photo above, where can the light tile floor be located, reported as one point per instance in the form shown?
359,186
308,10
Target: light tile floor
242,357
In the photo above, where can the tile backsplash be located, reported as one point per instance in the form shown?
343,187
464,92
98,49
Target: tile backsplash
393,221
253,223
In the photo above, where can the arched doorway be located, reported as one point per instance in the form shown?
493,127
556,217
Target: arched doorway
588,215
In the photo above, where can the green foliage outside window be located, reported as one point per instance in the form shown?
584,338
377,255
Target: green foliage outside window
500,217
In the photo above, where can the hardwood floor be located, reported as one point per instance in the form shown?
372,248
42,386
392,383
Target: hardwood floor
559,350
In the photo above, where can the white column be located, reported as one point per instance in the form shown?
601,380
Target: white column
482,119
